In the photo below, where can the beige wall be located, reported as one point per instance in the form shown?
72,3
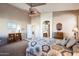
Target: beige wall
10,13
68,20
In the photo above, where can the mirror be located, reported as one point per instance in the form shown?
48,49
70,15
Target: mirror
59,26
46,29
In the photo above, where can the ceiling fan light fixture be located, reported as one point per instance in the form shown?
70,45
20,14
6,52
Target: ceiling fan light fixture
33,12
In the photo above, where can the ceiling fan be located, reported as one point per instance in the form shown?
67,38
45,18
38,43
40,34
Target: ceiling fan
33,11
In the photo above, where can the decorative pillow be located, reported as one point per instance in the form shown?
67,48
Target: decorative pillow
57,41
70,43
64,41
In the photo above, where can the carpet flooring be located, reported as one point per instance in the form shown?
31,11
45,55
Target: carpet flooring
14,49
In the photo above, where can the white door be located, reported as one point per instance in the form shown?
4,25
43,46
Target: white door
29,31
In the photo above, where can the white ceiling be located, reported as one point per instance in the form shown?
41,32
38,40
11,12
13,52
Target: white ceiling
49,7
22,6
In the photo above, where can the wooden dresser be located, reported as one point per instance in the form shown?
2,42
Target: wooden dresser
59,35
13,37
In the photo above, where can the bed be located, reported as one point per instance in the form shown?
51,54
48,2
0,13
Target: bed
56,46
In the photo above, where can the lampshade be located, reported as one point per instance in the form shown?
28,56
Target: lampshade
75,29
18,28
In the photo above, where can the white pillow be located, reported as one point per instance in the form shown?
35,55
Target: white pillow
71,43
63,42
57,41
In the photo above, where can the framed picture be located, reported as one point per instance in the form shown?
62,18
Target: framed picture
59,26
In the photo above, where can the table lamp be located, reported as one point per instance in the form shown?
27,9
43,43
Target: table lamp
75,30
